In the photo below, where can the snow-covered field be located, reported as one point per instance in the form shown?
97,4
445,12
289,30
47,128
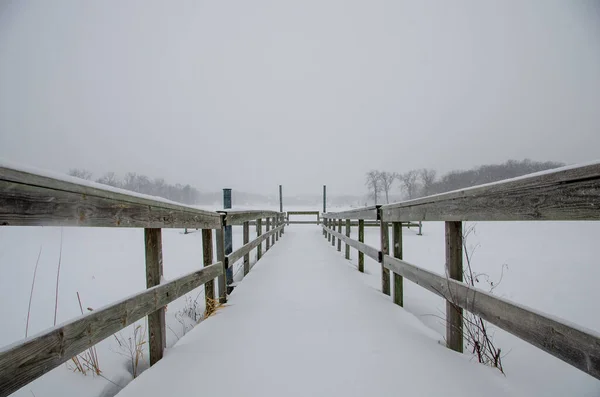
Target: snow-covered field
552,266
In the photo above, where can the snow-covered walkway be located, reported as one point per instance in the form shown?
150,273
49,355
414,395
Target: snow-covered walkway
303,323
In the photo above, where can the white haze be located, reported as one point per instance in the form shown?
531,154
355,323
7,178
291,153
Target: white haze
249,95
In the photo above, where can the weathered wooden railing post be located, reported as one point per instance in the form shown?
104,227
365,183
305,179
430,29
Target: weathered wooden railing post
267,228
454,270
361,238
207,256
339,247
397,239
385,250
154,271
333,222
328,222
273,235
347,235
246,240
258,234
222,282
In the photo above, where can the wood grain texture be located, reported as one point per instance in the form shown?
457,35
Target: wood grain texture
371,252
222,280
361,240
333,235
397,253
267,228
566,194
384,238
574,345
339,229
347,247
246,240
32,200
239,217
454,269
360,213
246,248
157,336
258,234
207,259
27,360
274,227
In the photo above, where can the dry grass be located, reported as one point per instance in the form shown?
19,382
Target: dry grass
133,348
88,360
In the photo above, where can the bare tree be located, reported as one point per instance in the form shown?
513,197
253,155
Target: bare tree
80,173
410,184
427,180
373,184
110,179
386,179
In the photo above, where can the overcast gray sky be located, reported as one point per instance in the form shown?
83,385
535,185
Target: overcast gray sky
250,94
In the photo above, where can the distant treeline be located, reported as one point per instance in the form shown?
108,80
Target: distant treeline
424,182
142,184
185,194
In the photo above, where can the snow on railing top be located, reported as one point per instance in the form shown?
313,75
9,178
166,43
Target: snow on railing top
566,193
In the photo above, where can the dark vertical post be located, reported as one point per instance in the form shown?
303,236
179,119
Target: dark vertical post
221,280
328,226
324,198
228,234
267,228
280,198
397,239
246,240
454,269
347,235
339,247
385,250
154,272
361,238
276,220
333,222
207,256
258,234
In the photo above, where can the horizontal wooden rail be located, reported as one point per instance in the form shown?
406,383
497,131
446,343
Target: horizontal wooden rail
377,224
569,193
367,213
28,199
239,217
25,361
246,248
362,247
303,213
576,346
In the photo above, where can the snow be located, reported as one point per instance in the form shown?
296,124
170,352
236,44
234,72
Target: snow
468,190
303,323
82,182
552,267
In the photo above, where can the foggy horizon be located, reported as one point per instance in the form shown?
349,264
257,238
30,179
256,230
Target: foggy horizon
304,95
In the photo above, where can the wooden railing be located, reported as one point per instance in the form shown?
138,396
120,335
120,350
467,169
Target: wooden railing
28,199
570,193
317,213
